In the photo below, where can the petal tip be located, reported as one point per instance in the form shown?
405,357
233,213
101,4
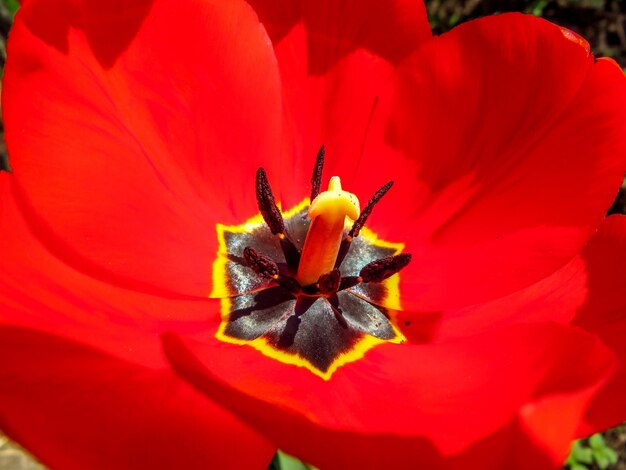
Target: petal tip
576,39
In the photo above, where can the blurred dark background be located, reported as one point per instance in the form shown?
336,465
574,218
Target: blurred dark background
601,22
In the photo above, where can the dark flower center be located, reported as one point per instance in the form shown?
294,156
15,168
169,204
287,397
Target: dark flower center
304,287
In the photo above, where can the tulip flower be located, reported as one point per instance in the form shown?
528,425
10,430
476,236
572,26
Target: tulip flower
205,258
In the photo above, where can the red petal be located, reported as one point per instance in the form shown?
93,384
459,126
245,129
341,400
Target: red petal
589,291
337,28
402,405
555,298
78,408
123,144
39,290
604,314
333,58
85,367
507,145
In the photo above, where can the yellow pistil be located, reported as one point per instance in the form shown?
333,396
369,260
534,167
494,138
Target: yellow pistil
328,213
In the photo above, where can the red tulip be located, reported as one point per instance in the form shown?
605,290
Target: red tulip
135,130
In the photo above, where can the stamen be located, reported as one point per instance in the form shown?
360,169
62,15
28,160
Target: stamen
328,283
316,180
316,268
266,267
260,264
360,222
274,219
267,204
381,269
328,212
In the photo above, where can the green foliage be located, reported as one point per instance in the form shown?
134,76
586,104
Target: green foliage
584,453
602,454
580,456
12,5
282,461
536,8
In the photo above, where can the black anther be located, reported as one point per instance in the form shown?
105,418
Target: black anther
360,222
267,204
259,263
381,269
316,180
365,213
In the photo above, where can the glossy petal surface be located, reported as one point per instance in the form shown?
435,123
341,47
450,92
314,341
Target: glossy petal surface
122,149
99,131
334,57
424,418
334,29
490,125
604,314
585,292
127,152
76,408
82,363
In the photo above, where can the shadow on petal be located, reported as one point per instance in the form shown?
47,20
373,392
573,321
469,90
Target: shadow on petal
108,26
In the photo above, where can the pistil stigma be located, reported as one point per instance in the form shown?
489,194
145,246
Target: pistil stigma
328,212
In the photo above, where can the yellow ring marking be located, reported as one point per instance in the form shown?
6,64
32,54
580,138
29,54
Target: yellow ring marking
221,291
